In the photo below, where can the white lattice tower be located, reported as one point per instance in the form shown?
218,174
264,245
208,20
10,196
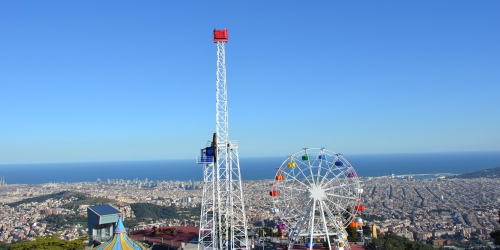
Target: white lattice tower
223,221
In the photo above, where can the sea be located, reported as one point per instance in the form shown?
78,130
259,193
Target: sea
259,168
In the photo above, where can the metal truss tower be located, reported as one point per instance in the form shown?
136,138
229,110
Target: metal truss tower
223,222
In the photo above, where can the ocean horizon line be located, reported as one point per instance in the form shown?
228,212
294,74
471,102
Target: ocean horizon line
252,168
253,157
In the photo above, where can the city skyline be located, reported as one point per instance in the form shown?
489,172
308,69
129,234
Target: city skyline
430,210
93,81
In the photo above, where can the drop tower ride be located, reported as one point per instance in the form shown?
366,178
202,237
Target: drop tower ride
223,222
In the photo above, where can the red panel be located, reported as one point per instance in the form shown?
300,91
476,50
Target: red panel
220,35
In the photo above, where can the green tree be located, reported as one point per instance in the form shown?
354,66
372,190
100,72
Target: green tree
146,210
496,237
51,243
5,246
352,234
391,241
267,230
58,221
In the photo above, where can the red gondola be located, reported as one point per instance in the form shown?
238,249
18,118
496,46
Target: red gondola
360,208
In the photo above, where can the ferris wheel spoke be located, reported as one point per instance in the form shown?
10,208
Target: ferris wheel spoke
302,173
289,198
328,168
336,176
323,219
295,180
350,188
328,171
341,186
332,184
293,188
320,166
327,216
304,216
294,204
342,197
333,218
309,163
338,207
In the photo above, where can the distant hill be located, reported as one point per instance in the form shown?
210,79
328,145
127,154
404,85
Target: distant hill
56,196
145,211
79,199
486,173
88,201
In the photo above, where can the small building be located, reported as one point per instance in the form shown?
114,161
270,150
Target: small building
101,222
120,240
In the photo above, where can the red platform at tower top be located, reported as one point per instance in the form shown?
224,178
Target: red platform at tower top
220,35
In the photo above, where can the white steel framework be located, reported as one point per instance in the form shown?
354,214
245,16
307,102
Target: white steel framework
223,222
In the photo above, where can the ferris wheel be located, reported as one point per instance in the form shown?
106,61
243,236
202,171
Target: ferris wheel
316,194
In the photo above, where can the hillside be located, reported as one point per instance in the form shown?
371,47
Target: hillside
486,173
56,196
144,211
88,201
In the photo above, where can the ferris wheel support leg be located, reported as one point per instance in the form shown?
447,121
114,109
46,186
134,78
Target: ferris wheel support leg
313,211
338,227
323,219
300,225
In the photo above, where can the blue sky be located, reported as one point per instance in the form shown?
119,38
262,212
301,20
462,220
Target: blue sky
135,80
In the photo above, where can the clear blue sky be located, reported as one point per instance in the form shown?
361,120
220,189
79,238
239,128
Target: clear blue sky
135,80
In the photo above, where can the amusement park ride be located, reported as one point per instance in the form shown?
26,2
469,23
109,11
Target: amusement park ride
222,221
316,193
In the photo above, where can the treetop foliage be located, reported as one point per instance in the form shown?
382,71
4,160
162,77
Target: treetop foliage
87,201
496,237
392,241
50,243
155,212
59,221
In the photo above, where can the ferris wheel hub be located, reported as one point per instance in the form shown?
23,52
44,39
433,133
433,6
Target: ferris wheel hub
317,192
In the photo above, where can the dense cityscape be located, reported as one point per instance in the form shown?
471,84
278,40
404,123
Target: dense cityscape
438,211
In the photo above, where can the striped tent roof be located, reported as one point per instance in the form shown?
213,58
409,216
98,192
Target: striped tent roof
120,240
